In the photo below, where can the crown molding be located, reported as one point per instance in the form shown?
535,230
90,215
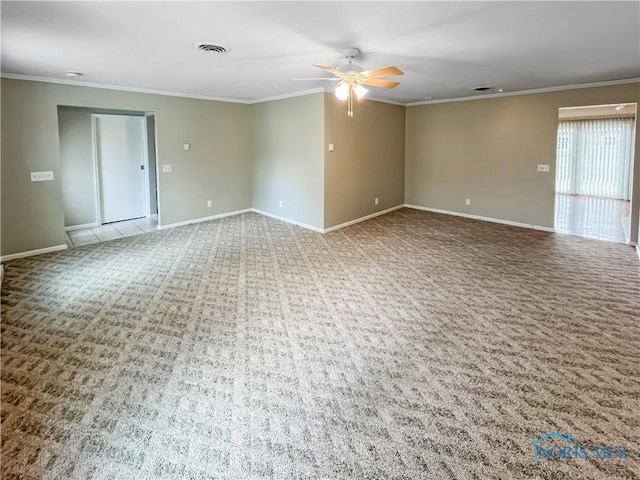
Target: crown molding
382,100
64,81
106,86
527,92
77,83
287,95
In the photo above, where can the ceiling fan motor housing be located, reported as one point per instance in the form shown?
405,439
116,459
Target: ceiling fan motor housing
350,53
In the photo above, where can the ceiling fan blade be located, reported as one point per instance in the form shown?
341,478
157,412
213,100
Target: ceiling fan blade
383,72
376,82
331,70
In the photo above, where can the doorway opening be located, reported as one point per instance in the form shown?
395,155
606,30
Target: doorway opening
108,172
594,171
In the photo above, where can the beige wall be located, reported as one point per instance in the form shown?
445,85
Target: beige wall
32,213
487,150
77,174
288,158
217,168
368,160
433,156
321,188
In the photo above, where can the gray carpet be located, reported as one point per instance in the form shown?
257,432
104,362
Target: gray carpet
414,345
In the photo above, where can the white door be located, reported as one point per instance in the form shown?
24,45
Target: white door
121,161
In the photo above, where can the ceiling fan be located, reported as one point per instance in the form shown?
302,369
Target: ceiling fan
352,78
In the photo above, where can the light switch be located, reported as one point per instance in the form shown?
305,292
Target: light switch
42,176
166,168
332,147
187,146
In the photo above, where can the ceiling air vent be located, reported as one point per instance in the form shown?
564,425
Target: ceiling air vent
212,48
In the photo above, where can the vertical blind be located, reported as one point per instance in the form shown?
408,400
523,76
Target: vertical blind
594,157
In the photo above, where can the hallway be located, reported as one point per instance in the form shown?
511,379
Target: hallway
112,231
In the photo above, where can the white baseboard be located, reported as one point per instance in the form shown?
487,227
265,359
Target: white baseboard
203,219
330,229
362,219
638,250
31,253
288,220
81,227
484,219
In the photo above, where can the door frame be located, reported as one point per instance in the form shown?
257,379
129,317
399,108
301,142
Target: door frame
634,174
155,161
96,164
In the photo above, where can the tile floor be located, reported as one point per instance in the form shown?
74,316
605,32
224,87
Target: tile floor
600,218
111,231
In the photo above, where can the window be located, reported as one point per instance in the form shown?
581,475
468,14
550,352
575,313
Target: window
594,157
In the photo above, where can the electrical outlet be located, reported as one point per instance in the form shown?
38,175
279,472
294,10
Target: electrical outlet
41,176
166,168
186,147
543,168
467,201
376,201
209,203
280,203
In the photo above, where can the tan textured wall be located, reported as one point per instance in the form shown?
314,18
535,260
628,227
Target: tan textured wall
288,161
487,150
77,174
368,160
217,168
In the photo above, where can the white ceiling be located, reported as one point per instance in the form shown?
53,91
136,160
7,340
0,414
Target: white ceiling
444,48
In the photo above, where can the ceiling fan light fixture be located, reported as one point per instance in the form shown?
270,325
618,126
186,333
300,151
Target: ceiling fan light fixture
352,78
342,91
360,91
